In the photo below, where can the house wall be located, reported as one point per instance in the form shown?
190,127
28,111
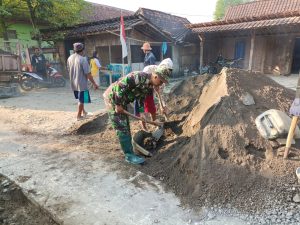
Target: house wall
272,54
186,57
228,49
181,56
279,54
24,31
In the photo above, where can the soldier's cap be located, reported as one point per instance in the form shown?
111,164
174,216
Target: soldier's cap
78,47
163,72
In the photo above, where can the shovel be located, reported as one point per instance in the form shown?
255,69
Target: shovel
159,124
161,105
157,133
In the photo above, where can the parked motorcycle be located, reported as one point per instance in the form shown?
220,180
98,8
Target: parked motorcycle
209,69
229,63
29,80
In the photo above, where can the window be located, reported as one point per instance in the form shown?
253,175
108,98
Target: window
137,55
12,34
240,47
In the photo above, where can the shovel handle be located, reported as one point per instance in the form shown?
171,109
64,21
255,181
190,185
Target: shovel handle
159,124
161,105
290,136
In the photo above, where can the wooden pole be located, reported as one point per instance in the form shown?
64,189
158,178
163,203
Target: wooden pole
201,52
251,51
290,136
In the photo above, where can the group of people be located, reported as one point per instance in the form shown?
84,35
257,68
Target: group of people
137,86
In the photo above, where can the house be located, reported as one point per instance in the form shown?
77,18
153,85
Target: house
144,25
265,33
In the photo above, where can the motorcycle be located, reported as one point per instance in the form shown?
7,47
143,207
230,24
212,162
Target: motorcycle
208,69
30,80
229,63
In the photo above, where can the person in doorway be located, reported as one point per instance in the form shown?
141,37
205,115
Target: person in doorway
95,67
79,72
135,85
38,62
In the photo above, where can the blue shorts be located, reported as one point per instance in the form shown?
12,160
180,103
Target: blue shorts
83,96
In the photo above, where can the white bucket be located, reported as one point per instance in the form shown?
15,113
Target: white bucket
298,173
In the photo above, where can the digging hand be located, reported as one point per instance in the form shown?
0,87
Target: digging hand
119,109
165,110
295,108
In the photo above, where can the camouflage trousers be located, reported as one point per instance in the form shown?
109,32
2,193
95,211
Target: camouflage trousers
120,122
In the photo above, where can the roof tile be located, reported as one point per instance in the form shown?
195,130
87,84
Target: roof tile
261,8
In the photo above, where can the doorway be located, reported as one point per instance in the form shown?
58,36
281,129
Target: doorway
296,57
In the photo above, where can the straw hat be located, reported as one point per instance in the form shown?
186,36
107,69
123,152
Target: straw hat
146,46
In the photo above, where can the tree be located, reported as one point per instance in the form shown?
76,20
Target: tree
54,13
222,6
8,10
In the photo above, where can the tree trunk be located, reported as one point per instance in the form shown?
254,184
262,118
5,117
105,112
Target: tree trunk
33,22
31,12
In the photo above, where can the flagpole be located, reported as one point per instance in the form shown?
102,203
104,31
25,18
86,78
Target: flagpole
122,56
123,42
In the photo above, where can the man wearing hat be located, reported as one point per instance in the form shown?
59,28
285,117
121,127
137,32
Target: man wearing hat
135,85
149,56
79,72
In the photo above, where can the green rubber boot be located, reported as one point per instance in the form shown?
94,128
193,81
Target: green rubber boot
126,145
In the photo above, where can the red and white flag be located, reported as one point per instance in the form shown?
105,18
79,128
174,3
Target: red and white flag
123,38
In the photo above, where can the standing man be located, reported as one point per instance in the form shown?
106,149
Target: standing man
38,62
135,85
149,56
80,73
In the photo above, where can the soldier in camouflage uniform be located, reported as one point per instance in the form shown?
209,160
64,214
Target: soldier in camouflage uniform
136,85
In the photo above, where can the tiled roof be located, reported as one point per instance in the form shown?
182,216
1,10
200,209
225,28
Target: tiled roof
174,25
254,15
95,12
103,25
110,25
166,26
271,23
257,9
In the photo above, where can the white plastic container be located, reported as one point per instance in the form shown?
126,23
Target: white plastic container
274,124
298,174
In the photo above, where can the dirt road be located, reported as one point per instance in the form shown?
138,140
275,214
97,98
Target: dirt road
83,179
76,171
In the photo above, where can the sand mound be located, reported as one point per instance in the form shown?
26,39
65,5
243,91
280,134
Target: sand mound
92,125
220,157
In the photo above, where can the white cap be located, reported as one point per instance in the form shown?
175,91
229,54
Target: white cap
167,63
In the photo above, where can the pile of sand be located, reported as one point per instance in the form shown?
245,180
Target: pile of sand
220,157
213,154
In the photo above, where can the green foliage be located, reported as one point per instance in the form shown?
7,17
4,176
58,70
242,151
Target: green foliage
9,9
222,6
56,13
53,13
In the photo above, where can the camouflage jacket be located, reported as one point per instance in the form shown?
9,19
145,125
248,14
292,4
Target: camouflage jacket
135,85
